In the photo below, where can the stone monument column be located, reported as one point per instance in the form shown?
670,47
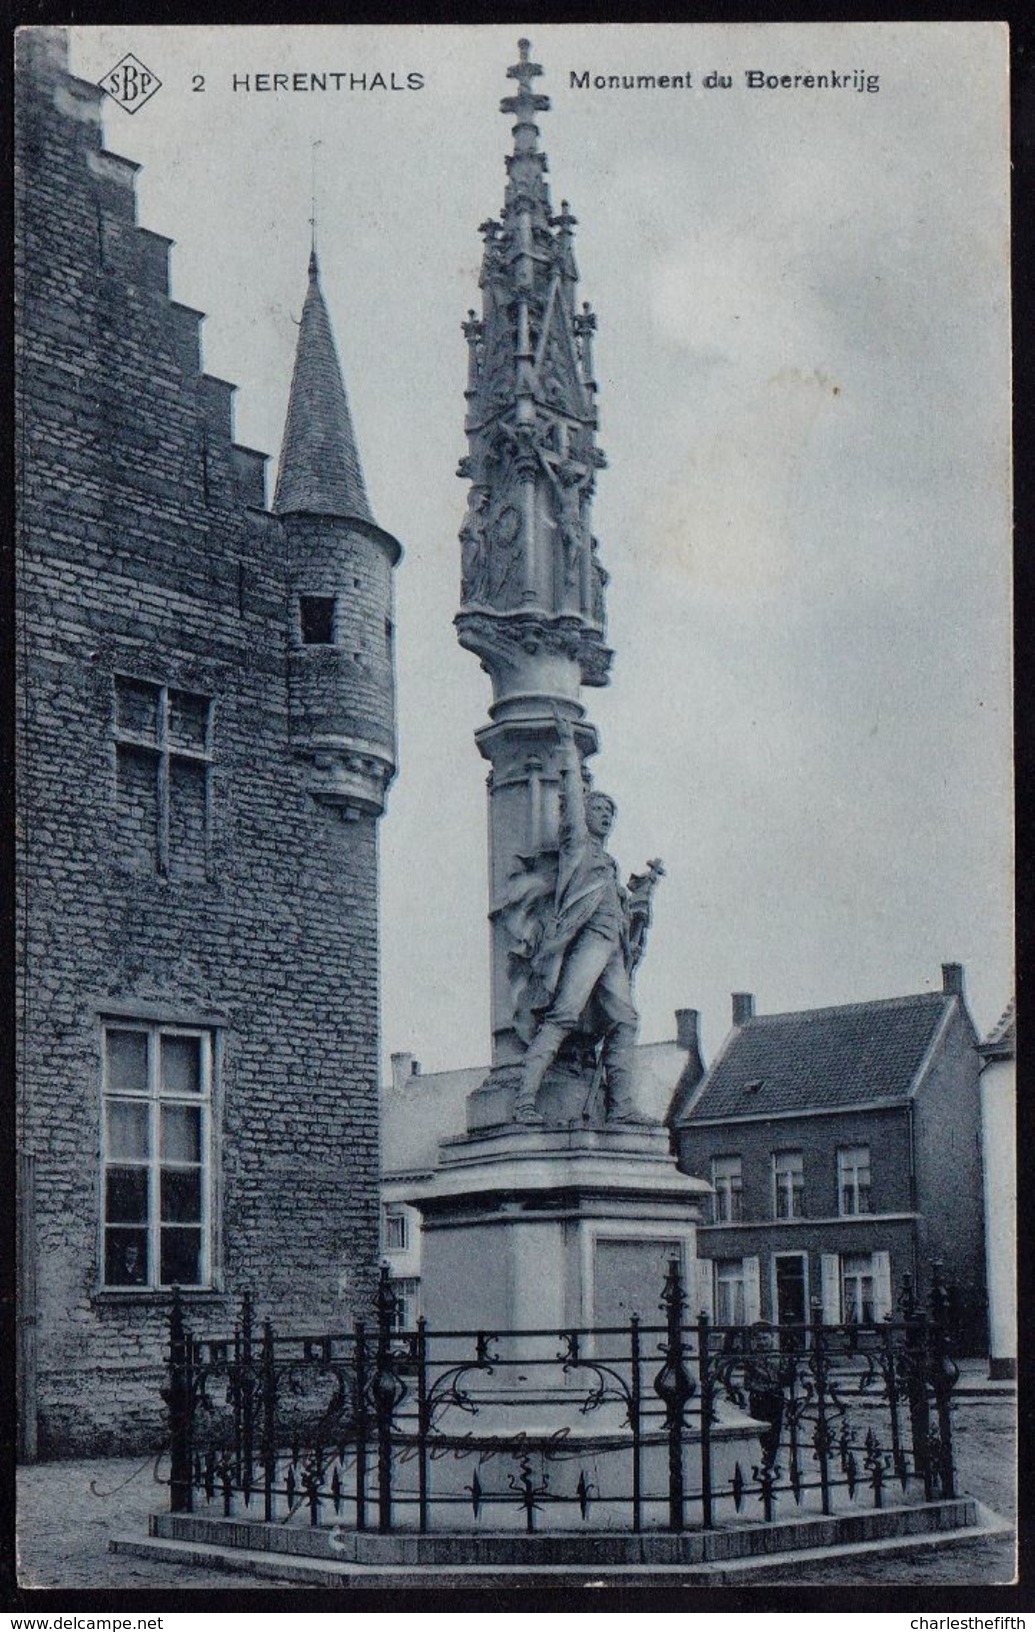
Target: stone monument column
560,1203
560,1206
532,587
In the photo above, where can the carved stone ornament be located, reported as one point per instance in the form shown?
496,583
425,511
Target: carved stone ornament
474,561
499,638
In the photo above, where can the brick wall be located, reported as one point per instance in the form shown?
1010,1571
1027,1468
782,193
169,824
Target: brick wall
886,1133
819,1138
343,689
139,556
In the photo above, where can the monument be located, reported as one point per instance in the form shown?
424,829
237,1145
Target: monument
560,1204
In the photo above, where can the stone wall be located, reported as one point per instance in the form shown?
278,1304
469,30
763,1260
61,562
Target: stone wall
144,553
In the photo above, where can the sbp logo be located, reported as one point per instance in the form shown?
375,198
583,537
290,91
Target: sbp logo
130,84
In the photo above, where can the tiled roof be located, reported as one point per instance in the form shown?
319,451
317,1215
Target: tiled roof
1001,1042
319,465
816,1059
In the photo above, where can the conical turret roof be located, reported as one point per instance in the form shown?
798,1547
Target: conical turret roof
319,471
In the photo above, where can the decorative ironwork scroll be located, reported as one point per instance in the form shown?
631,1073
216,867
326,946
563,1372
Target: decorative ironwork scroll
317,1428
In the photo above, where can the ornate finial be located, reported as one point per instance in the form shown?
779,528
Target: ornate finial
525,103
525,70
313,269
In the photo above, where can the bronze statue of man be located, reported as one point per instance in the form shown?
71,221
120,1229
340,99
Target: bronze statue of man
585,952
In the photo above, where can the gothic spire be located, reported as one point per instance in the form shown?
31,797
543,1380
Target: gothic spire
526,166
532,459
319,472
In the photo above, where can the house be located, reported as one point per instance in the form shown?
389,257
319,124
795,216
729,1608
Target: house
418,1110
998,1113
843,1146
206,734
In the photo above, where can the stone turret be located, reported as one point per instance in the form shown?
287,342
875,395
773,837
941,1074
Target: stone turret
339,565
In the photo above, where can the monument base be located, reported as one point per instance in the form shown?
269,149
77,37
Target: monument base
544,1254
547,1462
555,1227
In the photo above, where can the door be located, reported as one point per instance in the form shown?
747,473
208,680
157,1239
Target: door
791,1288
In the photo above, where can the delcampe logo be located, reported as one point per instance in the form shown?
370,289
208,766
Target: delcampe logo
130,84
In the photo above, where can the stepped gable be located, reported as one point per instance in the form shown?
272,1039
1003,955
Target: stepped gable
320,472
200,784
124,302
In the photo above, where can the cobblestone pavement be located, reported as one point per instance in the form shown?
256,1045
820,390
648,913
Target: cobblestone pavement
67,1511
984,1439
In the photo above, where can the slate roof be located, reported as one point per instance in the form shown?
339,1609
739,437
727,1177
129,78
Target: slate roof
319,469
818,1059
1001,1042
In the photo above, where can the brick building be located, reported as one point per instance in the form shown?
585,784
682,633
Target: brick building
843,1146
206,736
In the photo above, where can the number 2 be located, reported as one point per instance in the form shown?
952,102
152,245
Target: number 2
198,82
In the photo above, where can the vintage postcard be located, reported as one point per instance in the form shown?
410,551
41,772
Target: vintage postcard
515,1024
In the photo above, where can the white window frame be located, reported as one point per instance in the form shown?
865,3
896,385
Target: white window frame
157,745
788,1165
729,1272
407,1290
396,1215
853,1160
155,1097
853,1273
728,1185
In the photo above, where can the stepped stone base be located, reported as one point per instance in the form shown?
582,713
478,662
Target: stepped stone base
337,1557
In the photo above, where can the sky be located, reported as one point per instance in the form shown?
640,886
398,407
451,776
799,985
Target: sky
803,366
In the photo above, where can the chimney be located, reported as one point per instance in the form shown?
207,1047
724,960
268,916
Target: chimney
952,979
404,1066
743,1007
688,1039
686,1029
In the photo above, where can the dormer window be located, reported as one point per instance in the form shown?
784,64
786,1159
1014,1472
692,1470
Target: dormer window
316,619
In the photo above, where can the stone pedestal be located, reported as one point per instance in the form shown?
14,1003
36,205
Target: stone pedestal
554,1227
547,1241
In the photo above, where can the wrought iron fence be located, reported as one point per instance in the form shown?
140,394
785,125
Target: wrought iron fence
674,1425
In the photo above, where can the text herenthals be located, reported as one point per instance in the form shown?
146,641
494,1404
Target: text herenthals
754,79
328,80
